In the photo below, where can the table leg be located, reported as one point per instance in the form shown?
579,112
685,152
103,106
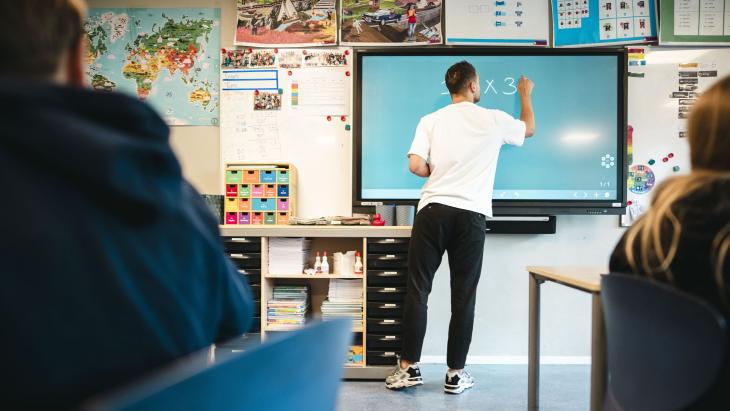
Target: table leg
598,356
533,351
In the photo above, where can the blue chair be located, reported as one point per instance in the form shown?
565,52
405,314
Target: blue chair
666,348
300,370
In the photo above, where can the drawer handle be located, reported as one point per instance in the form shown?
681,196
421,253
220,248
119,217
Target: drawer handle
390,273
389,337
234,255
390,256
389,354
388,322
388,290
389,306
389,240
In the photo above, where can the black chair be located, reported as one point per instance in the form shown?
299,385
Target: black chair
666,348
300,370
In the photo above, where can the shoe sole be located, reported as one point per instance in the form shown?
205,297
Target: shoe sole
405,384
457,390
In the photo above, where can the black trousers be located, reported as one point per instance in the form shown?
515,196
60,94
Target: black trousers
440,228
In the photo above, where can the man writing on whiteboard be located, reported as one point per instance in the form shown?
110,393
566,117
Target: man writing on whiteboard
457,148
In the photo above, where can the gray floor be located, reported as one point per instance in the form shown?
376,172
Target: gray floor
498,387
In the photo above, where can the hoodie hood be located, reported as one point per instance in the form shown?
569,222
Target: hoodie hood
112,146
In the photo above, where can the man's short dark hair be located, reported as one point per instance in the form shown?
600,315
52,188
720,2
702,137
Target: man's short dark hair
459,76
36,34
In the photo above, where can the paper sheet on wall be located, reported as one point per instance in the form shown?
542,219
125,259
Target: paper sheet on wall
321,92
695,22
246,135
483,22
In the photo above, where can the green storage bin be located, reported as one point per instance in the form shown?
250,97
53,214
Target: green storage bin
270,218
282,176
244,190
234,176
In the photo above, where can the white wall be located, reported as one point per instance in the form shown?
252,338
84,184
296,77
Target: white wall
500,331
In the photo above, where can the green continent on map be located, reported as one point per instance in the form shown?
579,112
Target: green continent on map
99,82
97,43
174,46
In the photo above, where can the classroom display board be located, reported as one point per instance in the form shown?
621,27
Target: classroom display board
575,156
662,88
291,106
390,23
695,22
508,22
267,23
167,57
603,22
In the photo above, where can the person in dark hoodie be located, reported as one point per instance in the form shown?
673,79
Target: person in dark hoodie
111,264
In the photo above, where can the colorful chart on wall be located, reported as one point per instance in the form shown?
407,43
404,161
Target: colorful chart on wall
489,22
390,22
578,23
695,22
167,57
286,23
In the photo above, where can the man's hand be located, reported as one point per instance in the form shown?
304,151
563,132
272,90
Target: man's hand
525,86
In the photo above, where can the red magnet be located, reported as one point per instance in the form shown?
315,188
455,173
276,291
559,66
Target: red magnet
329,118
347,73
304,52
343,118
629,202
347,52
250,50
256,92
289,72
670,155
665,159
276,51
223,50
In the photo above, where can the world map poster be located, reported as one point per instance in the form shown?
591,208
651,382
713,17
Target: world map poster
167,57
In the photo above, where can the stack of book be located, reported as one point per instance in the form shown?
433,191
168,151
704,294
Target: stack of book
344,299
288,307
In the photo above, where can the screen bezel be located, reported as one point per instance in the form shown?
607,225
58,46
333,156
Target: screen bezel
505,207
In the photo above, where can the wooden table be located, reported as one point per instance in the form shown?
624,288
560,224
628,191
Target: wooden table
587,279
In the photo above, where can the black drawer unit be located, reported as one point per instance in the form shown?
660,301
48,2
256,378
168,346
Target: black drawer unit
385,342
386,294
378,357
256,291
255,325
246,260
385,310
242,244
386,326
395,277
391,260
251,276
388,245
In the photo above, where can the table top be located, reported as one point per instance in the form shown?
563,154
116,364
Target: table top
315,231
586,278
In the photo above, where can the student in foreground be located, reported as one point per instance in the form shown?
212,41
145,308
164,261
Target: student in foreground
684,237
456,148
111,264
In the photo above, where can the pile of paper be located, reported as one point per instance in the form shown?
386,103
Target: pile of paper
289,306
288,255
344,299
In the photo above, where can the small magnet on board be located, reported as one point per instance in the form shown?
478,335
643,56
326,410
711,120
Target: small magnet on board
651,162
347,127
670,155
343,118
289,72
250,50
347,73
329,118
665,159
276,51
281,91
629,202
347,52
675,168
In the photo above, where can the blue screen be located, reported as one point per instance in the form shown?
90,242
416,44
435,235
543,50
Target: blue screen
574,154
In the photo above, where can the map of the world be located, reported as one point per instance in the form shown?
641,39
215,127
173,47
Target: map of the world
167,57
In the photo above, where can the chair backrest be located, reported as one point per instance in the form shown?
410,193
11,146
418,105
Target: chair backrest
299,370
665,347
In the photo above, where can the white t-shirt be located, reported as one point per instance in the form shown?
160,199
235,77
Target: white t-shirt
461,143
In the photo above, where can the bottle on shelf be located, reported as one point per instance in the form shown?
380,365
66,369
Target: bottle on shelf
317,264
358,263
325,264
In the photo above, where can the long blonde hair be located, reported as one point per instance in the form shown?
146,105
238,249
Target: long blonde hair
709,141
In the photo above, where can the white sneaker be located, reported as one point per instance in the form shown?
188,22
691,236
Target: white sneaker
457,382
404,378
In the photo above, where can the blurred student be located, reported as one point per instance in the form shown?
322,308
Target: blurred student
111,265
684,237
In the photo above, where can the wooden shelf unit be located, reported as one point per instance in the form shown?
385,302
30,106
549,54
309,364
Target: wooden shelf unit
324,238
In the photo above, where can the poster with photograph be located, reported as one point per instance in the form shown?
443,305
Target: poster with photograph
283,23
390,22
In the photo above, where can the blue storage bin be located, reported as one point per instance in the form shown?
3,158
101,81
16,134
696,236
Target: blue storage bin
282,190
267,176
264,204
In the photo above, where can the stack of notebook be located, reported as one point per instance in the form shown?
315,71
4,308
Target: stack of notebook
344,299
288,307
